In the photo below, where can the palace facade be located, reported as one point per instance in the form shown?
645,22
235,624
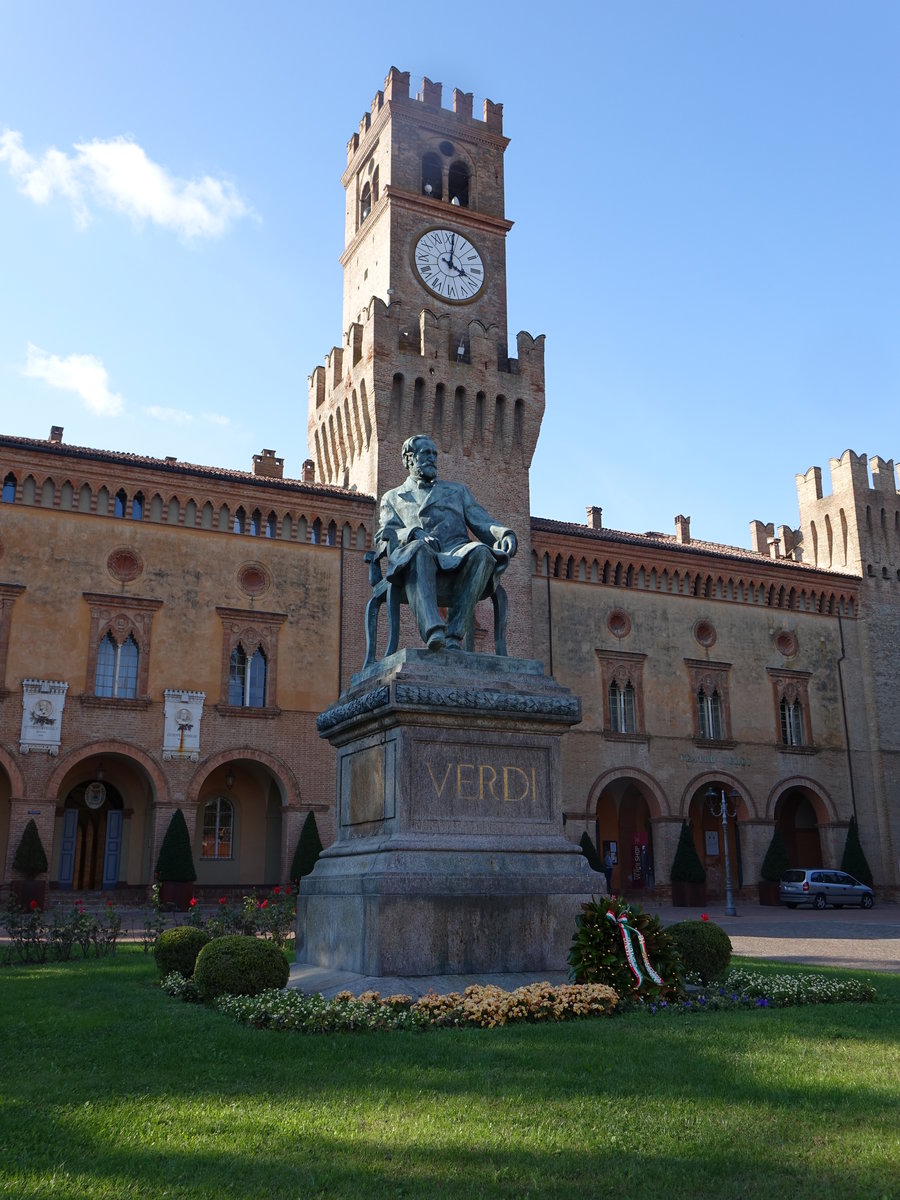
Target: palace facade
169,631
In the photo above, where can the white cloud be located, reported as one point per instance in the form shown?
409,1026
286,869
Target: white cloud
83,374
216,418
118,175
174,416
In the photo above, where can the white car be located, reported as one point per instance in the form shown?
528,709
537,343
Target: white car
820,888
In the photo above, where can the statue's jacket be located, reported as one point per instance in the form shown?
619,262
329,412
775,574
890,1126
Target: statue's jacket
445,511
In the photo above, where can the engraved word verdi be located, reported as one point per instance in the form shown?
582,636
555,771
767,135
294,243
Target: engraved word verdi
475,780
497,782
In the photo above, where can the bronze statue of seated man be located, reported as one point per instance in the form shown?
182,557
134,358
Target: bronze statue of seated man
425,532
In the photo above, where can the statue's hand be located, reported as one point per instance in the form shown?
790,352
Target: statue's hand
508,545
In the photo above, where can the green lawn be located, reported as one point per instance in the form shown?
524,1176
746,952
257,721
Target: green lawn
112,1089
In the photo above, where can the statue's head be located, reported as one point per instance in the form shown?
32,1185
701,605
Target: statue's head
420,456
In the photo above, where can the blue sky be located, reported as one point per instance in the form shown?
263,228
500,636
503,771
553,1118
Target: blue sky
706,199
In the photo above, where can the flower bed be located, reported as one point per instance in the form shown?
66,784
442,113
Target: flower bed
745,989
486,1007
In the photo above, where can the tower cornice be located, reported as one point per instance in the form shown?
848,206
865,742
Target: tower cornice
447,214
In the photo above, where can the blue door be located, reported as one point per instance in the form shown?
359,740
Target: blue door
113,852
67,851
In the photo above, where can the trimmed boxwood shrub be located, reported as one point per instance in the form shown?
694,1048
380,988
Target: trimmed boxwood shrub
686,865
776,861
177,949
237,965
703,947
309,847
176,862
30,857
854,861
589,850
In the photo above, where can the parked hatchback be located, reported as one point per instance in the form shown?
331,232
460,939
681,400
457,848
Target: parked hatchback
820,888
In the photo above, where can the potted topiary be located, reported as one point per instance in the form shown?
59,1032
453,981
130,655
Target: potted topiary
175,865
854,861
774,865
688,873
589,850
309,847
30,860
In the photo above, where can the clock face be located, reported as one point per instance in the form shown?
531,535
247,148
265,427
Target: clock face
449,265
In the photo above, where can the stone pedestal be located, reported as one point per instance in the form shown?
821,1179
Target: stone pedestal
449,856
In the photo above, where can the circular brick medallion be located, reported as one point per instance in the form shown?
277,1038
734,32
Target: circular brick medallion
254,579
124,564
786,643
705,634
618,623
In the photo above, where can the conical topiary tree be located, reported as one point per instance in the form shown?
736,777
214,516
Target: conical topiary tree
30,859
686,865
854,861
176,862
777,860
309,847
589,850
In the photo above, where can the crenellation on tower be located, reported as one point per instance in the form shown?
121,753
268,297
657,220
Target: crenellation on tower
849,473
430,95
809,485
462,104
884,476
857,526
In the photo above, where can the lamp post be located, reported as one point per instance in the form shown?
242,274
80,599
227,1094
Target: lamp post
718,803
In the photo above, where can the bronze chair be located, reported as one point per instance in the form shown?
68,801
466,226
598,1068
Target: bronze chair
385,591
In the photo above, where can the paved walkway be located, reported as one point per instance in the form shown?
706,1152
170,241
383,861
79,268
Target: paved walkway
846,937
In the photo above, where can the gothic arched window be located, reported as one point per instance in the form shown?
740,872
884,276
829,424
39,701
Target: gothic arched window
120,503
621,708
791,722
9,489
709,713
247,678
117,668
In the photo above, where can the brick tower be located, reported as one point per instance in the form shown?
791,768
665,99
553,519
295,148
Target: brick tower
856,528
425,345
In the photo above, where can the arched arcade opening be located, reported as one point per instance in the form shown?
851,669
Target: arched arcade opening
103,826
711,834
623,811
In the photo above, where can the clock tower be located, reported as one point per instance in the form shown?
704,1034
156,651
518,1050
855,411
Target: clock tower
425,346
